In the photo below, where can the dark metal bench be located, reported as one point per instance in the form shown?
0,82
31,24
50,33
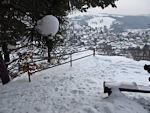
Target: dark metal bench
139,89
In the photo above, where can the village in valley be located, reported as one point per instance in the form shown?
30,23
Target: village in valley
107,38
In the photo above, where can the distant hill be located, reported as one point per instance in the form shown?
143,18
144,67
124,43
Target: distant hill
110,21
134,22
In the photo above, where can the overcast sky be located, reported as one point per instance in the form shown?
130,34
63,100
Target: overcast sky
127,7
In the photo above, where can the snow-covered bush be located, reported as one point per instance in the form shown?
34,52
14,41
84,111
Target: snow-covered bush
48,25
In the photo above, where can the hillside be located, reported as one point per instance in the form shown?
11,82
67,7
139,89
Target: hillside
100,20
78,89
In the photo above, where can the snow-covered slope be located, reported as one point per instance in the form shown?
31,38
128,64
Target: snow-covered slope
92,20
77,89
100,20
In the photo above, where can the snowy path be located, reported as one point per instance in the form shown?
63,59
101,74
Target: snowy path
77,89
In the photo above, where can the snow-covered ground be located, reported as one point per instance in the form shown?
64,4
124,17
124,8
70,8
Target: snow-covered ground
100,22
78,89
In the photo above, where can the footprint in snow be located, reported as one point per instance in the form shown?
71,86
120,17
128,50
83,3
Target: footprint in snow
74,91
46,77
37,109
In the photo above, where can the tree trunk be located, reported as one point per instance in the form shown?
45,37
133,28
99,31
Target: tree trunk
49,44
3,71
49,55
6,52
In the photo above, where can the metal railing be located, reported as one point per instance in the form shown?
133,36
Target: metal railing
70,59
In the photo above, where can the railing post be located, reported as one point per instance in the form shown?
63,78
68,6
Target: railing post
70,59
19,67
28,70
93,51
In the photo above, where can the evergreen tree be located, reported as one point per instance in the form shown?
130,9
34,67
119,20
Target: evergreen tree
18,18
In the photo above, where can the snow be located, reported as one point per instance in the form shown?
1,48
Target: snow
127,85
121,102
78,89
77,26
48,25
100,22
